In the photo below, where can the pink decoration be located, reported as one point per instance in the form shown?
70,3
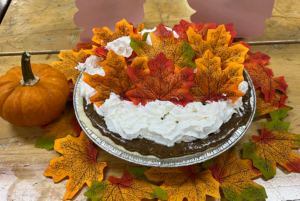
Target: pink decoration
106,13
247,16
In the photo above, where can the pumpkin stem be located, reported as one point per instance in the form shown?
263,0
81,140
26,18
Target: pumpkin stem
28,79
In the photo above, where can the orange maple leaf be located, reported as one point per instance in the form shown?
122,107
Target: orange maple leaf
263,77
235,176
133,186
162,83
115,80
217,42
211,83
78,162
104,35
66,124
184,182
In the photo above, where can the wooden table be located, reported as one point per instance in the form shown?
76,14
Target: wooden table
47,25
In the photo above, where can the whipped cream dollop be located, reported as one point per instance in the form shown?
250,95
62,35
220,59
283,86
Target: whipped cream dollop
92,68
149,41
121,46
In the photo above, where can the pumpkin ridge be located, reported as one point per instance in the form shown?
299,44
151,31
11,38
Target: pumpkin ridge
2,108
49,81
41,87
8,101
38,98
43,70
15,71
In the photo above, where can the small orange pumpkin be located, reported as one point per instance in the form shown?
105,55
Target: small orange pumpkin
32,95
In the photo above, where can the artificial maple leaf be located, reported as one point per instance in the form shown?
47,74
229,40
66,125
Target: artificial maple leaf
85,46
105,35
101,52
183,26
200,29
71,87
218,43
274,145
263,77
235,176
257,56
66,124
211,83
275,107
78,162
184,182
180,53
115,80
141,63
91,51
162,83
229,28
70,60
133,186
138,29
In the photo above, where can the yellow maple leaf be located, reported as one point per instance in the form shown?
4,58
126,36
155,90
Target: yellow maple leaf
91,51
104,35
78,162
69,60
132,186
184,182
140,27
217,42
141,63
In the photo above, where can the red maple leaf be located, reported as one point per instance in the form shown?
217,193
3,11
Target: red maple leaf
71,87
162,83
101,52
263,77
184,26
84,46
201,29
257,56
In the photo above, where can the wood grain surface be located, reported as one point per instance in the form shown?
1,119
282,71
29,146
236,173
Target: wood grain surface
47,25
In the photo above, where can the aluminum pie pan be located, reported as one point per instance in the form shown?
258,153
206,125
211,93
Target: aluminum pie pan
153,161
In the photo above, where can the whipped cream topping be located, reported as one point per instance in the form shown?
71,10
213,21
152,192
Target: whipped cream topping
149,41
92,68
121,46
164,122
